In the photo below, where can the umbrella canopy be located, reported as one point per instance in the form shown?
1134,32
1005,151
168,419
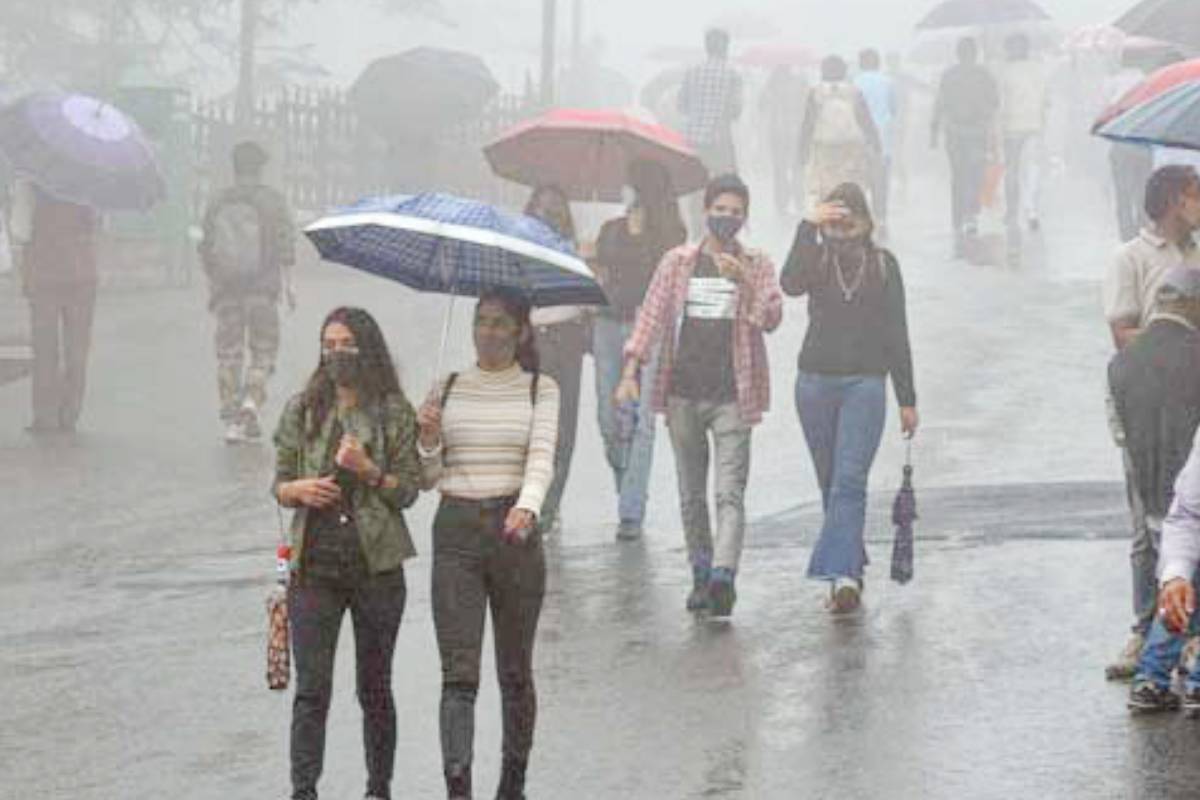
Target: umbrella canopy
422,90
904,513
1170,120
1162,81
1175,21
452,245
588,153
966,13
83,150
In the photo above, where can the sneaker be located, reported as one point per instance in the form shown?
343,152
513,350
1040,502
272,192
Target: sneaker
235,433
1125,667
845,596
697,600
1191,652
1146,697
248,416
721,593
629,531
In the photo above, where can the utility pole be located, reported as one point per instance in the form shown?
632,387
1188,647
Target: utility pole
577,33
247,39
549,32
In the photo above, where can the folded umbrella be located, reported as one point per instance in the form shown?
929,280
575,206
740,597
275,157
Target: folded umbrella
1170,120
904,513
81,149
588,153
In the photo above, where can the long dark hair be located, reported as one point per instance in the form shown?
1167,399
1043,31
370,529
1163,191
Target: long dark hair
565,227
377,378
656,194
517,306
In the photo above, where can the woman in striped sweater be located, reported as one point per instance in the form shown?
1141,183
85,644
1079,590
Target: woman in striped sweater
487,443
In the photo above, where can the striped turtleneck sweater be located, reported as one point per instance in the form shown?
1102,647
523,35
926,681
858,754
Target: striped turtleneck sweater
496,441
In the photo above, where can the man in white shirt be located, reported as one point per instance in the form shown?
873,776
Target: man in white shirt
1024,100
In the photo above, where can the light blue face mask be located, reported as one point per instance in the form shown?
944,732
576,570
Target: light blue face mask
628,196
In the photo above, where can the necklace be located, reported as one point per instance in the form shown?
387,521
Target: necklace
851,289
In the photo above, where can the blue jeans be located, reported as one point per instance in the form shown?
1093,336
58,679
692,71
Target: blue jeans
630,462
1161,654
842,417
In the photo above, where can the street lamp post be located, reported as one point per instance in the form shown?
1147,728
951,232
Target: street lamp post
247,36
549,31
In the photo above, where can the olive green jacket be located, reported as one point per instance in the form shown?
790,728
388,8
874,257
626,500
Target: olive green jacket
389,435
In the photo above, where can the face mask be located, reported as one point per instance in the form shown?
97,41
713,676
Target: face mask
342,367
724,226
628,196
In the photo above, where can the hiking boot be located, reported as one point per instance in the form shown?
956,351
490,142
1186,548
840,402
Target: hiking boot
845,596
1125,667
721,593
458,783
629,531
1145,697
512,781
698,598
248,416
235,433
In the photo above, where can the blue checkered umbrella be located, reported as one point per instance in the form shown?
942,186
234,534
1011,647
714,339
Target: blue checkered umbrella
451,245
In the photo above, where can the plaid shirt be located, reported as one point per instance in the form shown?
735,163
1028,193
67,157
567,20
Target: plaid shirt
711,99
760,310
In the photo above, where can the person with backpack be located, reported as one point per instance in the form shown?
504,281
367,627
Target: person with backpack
247,253
857,336
839,142
346,460
487,442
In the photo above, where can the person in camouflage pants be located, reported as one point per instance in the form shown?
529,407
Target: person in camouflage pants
247,252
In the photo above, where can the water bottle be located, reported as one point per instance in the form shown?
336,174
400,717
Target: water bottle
279,665
283,563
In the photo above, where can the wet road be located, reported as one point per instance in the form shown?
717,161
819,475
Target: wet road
137,554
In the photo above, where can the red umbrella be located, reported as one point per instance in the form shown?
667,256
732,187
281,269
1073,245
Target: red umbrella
778,55
1158,83
588,153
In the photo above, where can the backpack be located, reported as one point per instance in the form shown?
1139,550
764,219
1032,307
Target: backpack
236,249
836,109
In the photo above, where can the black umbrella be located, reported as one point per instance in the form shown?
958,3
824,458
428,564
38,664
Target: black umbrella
968,13
422,90
1176,21
904,513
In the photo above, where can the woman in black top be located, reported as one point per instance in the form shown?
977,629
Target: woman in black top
857,336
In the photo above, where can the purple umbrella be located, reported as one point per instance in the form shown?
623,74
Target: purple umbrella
82,150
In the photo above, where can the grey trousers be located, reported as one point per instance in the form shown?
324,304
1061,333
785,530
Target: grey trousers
61,328
691,423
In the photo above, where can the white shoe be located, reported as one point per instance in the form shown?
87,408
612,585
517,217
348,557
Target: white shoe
251,430
235,433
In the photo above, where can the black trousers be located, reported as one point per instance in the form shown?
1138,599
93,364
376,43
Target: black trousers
472,571
316,607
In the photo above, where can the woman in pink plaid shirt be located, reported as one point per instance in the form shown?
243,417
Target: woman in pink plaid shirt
707,309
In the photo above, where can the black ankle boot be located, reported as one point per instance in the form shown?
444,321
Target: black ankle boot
512,781
458,783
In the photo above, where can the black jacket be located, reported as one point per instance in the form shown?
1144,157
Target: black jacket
1155,383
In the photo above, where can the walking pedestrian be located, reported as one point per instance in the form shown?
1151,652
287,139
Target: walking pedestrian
857,336
247,253
881,96
704,317
1024,105
1131,164
710,100
965,108
1172,202
346,460
563,338
56,254
782,106
1176,603
839,142
1155,385
628,250
488,444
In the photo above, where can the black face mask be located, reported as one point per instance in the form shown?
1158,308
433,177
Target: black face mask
342,368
